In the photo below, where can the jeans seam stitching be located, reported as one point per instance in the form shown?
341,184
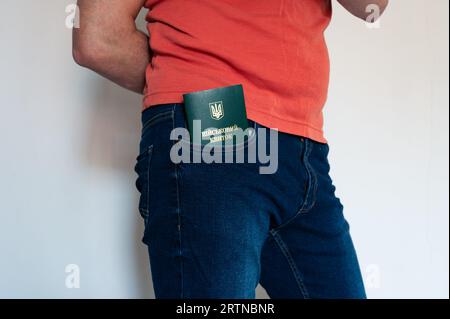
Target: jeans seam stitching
146,211
150,155
296,272
313,186
179,216
305,207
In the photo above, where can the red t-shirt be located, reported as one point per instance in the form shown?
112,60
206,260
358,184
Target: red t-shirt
274,48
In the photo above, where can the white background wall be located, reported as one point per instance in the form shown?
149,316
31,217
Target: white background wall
69,139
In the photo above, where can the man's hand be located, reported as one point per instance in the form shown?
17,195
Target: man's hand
359,7
109,43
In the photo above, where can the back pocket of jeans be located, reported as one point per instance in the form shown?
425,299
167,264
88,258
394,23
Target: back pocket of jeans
142,169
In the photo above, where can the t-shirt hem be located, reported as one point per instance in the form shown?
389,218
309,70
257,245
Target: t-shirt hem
282,125
286,126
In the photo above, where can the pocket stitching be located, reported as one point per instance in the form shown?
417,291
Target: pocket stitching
145,212
309,199
156,119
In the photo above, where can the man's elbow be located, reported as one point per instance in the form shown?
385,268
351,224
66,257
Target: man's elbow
79,55
87,52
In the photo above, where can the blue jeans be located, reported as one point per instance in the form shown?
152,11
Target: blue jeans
218,230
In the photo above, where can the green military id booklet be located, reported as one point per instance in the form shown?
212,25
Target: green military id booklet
221,113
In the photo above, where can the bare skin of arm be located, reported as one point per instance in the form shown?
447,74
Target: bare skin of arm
358,7
109,43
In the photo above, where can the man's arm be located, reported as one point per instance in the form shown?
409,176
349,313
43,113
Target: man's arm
359,7
109,43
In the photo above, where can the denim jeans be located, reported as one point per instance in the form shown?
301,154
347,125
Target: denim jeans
218,230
